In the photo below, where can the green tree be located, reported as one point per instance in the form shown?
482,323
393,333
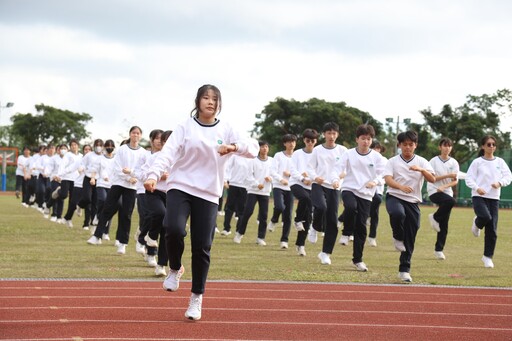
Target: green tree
467,124
49,125
284,116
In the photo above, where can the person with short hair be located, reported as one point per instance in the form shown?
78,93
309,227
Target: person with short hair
404,174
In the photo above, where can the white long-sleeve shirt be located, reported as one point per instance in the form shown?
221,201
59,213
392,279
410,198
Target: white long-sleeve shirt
91,163
23,164
126,157
361,169
105,172
300,162
323,161
161,185
237,170
260,169
281,163
68,169
192,152
399,170
482,173
442,167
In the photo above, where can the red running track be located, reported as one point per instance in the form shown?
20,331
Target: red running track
142,310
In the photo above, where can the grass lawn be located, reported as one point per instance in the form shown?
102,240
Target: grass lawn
34,247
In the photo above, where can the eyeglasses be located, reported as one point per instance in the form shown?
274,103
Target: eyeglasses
491,144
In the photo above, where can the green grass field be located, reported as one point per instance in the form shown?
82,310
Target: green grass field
34,247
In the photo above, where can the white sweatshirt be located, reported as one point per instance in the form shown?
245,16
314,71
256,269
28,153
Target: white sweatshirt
260,169
192,151
300,162
237,171
482,173
126,157
324,161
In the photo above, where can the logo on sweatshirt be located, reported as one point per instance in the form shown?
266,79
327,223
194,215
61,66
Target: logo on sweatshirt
219,142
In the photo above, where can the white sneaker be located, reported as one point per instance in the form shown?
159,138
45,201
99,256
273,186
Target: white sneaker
261,242
271,226
69,223
351,238
194,307
139,248
217,229
55,194
150,242
343,240
104,236
283,245
475,229
225,233
487,262
78,211
433,223
325,258
95,220
85,228
172,281
61,221
299,226
312,235
238,238
372,242
54,219
152,261
94,241
439,255
121,249
160,271
221,213
405,277
361,266
339,224
301,250
399,245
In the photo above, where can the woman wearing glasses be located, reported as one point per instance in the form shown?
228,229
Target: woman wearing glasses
486,175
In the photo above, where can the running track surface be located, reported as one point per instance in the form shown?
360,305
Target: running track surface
142,310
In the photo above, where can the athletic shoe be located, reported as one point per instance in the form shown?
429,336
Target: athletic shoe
194,307
150,242
139,248
351,238
261,242
405,277
301,250
55,194
78,211
238,238
399,245
152,261
220,213
69,223
95,221
283,245
54,219
271,226
217,229
361,266
299,226
372,242
32,199
225,233
17,194
160,270
93,229
86,228
61,221
439,255
121,249
46,212
172,281
433,223
339,224
105,236
475,229
94,241
343,240
325,258
487,262
312,235
117,243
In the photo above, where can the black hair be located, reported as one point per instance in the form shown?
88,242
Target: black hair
310,134
86,145
329,126
445,142
262,143
289,138
365,129
109,143
98,142
409,135
155,133
165,135
73,140
200,93
376,144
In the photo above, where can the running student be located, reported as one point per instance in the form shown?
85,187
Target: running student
325,190
373,220
440,193
361,169
283,198
300,184
198,151
404,174
486,175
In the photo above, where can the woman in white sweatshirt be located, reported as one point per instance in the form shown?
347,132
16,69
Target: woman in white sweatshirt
197,151
486,175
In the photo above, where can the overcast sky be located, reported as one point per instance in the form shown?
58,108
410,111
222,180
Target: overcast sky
132,62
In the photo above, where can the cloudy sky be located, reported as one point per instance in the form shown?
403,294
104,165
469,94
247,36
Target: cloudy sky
132,62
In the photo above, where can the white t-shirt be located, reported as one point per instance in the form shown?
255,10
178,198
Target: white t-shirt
442,167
